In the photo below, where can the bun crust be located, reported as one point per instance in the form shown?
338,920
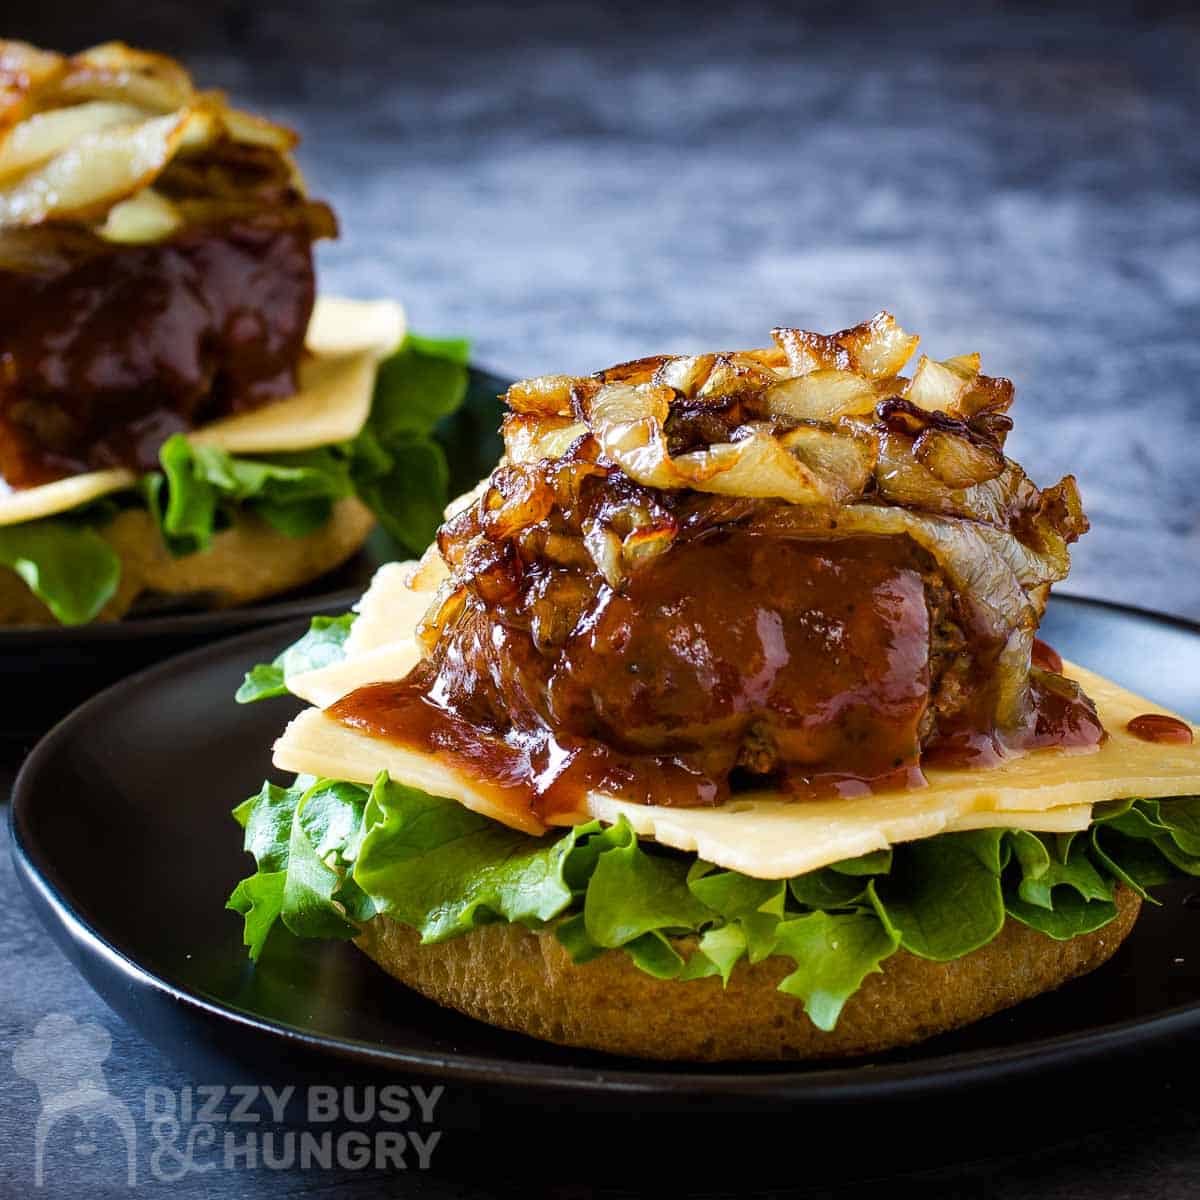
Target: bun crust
509,976
247,562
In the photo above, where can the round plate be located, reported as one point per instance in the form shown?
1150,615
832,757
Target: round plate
86,658
123,837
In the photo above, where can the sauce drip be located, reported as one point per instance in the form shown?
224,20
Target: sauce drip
105,356
1059,715
1158,727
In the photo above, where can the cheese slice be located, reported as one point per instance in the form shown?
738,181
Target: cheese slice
381,645
331,406
60,496
340,326
347,339
769,836
1070,818
759,834
390,609
774,838
314,744
327,685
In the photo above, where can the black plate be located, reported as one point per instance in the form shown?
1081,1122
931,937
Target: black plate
122,836
87,658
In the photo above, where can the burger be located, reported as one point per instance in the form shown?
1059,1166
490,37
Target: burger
181,416
714,724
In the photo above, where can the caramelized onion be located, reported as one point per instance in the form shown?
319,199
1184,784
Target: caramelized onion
81,136
821,395
877,348
99,170
734,375
686,374
939,386
114,71
956,460
842,459
639,370
531,436
43,135
144,217
669,505
547,395
24,70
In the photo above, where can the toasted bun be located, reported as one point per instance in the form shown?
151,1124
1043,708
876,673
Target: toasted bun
508,976
246,562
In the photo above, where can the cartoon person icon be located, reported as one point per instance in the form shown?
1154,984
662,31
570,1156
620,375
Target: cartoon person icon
63,1059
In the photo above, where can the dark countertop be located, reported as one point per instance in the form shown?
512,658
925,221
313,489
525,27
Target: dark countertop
575,185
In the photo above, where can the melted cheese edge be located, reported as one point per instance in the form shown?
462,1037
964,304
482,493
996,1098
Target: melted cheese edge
761,834
346,338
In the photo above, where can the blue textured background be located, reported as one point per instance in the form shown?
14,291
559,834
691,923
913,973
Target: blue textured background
574,185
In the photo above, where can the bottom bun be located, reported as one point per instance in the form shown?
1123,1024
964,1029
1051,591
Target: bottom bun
246,562
511,977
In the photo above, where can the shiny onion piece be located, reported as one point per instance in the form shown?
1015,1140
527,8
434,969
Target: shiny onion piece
100,169
42,136
113,69
823,395
119,141
876,349
957,461
23,70
529,437
844,459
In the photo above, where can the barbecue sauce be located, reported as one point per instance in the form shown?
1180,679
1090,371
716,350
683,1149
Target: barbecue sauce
106,356
736,661
1046,658
1158,727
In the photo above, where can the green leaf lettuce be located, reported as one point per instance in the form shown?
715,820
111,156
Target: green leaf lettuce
65,563
321,646
332,855
397,466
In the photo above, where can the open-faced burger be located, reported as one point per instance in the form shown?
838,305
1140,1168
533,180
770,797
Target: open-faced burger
715,725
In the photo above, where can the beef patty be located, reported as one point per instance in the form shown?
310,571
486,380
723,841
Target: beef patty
106,353
768,660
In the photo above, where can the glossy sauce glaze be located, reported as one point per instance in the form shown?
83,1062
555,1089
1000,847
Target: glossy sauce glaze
736,661
1057,714
1158,727
103,359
